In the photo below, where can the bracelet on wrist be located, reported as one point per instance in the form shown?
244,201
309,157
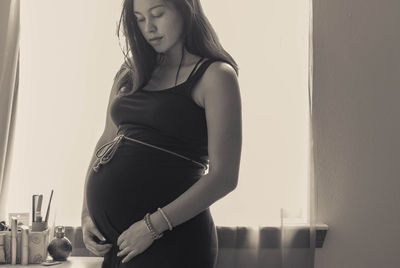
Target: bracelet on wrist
165,218
151,228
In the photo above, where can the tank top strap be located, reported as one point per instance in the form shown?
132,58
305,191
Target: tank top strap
197,74
195,67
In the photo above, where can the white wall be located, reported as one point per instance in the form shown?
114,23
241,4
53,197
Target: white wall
67,67
269,40
357,109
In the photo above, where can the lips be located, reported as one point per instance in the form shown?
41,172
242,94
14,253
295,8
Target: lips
155,39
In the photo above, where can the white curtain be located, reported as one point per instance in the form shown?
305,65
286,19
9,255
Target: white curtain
9,68
286,243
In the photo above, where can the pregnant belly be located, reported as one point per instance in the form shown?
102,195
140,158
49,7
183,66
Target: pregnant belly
136,181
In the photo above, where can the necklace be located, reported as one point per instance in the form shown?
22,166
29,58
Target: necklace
180,64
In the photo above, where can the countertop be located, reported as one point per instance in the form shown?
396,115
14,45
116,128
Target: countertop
75,262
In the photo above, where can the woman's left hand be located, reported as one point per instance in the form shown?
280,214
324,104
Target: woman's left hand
134,240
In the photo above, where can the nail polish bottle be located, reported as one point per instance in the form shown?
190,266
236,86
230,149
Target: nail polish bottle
60,247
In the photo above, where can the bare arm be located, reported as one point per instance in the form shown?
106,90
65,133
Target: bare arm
223,113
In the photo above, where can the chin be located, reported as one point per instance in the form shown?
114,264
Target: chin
160,49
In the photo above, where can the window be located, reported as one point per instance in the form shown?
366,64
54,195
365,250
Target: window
69,55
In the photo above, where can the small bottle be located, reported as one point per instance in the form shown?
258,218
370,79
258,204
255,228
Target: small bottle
60,247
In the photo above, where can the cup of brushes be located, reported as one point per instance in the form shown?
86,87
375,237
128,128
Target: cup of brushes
23,244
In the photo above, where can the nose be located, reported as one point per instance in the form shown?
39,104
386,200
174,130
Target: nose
150,26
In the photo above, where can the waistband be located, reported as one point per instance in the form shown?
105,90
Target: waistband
105,153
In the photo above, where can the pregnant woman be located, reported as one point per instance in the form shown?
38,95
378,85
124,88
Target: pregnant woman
171,145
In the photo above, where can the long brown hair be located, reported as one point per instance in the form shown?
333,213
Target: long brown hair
140,57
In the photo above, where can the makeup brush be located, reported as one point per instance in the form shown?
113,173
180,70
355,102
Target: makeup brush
48,207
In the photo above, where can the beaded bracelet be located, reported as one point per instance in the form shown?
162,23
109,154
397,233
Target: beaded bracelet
151,228
166,219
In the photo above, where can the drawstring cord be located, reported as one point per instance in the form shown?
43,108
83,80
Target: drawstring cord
111,147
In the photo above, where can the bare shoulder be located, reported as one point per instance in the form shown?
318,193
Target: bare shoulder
221,73
219,81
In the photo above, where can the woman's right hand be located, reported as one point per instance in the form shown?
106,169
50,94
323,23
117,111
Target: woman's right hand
90,234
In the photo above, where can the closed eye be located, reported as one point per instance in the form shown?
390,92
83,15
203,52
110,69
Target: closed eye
158,15
139,20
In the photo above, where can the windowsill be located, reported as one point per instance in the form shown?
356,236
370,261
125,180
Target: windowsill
296,235
236,237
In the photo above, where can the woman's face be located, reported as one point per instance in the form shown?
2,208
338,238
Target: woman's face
159,22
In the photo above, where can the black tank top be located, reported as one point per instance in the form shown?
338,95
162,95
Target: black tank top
167,118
